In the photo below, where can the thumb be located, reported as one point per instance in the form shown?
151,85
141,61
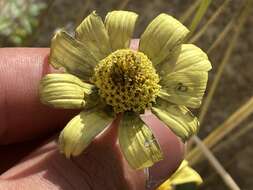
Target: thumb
173,150
22,116
101,166
171,146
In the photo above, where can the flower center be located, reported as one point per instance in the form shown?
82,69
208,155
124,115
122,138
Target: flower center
127,81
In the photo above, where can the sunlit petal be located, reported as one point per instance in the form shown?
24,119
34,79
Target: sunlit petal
81,130
120,26
161,36
186,84
137,142
184,175
64,91
93,34
178,118
68,53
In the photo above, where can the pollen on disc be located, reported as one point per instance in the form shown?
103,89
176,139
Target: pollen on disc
127,81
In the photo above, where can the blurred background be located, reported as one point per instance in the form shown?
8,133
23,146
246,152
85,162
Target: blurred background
222,28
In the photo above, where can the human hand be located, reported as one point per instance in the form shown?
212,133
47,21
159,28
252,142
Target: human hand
23,118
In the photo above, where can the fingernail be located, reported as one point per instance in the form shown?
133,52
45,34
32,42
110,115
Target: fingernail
134,44
172,148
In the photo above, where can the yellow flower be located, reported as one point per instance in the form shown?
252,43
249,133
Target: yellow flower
183,175
104,77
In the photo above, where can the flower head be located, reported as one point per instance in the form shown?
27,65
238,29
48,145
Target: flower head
127,81
104,77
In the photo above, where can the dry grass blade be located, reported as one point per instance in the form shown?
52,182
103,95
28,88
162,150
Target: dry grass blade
225,128
222,35
123,4
199,15
228,164
216,165
82,14
209,22
234,138
189,11
241,20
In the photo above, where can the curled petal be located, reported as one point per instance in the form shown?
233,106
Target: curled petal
184,175
81,130
68,53
178,118
93,34
161,36
192,58
186,83
137,142
64,91
120,26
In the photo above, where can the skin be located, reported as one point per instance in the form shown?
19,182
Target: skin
30,158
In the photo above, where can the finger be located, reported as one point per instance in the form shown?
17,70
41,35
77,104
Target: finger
98,168
13,153
172,148
22,116
166,166
101,166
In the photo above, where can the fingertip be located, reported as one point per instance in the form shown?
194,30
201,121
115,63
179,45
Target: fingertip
173,151
22,116
134,44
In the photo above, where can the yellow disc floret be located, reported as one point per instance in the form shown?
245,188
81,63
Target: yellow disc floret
127,81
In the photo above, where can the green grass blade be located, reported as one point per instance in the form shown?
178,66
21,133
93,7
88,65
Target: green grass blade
210,21
189,11
199,14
